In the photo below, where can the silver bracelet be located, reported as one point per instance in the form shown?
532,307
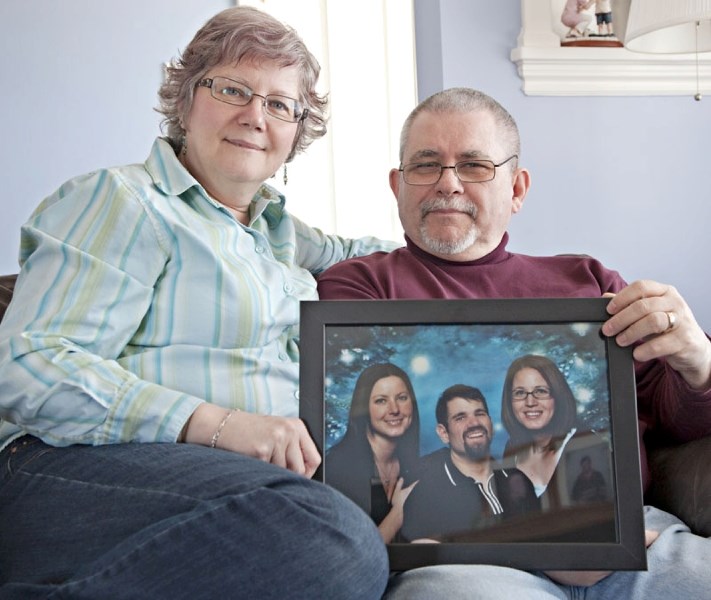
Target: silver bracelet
216,435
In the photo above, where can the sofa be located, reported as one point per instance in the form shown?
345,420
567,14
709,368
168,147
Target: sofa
681,477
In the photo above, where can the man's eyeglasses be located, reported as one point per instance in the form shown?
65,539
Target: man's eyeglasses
538,392
233,92
468,171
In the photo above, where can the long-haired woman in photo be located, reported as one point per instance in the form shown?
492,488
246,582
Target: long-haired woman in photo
539,412
372,462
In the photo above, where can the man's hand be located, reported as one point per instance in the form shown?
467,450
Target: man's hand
656,316
282,441
578,578
588,578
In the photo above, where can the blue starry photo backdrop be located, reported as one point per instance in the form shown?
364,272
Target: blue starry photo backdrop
437,356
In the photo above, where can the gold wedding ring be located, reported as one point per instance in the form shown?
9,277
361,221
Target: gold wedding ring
672,320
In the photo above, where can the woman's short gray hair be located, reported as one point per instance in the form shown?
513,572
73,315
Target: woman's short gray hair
233,35
465,100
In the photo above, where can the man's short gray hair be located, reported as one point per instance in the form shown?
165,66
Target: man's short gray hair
465,100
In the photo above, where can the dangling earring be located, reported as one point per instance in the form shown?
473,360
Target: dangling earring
286,177
184,145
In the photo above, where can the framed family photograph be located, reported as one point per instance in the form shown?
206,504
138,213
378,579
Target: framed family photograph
479,431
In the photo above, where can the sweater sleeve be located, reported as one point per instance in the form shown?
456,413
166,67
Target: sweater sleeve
317,251
670,410
349,280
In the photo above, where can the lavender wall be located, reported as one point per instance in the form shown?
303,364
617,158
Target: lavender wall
621,178
624,179
79,82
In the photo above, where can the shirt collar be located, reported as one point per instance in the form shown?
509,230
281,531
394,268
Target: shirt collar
166,171
173,179
456,477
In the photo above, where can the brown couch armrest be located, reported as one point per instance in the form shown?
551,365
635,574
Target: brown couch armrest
681,483
7,286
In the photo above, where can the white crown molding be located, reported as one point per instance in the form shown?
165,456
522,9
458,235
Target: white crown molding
547,69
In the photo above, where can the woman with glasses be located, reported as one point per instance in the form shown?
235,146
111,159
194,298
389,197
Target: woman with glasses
372,463
149,359
539,412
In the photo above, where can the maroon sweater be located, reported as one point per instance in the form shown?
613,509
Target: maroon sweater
668,410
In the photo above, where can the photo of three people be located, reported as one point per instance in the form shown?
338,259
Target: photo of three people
462,433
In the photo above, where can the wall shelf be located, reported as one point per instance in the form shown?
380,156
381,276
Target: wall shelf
547,69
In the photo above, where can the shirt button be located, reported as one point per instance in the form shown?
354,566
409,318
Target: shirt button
288,288
259,249
296,394
282,356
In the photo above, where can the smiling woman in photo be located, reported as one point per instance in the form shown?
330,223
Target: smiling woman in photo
371,463
538,410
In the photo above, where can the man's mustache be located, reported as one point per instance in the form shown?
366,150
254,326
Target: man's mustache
456,203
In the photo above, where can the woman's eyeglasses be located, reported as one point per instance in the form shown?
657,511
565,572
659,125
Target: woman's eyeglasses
539,393
233,92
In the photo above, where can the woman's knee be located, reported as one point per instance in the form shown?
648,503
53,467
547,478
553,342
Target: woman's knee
330,541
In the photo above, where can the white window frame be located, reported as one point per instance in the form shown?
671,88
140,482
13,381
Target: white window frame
367,55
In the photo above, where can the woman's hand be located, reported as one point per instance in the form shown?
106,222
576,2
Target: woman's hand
282,441
392,522
400,494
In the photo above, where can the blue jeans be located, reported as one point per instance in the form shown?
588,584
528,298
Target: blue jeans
678,567
176,521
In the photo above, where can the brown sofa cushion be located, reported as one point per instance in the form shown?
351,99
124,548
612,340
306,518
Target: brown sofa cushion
682,483
7,285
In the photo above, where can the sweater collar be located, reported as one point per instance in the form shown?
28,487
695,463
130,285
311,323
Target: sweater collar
497,255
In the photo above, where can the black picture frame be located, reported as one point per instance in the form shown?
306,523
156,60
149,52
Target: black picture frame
476,339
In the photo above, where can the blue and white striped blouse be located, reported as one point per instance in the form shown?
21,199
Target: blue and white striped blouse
141,297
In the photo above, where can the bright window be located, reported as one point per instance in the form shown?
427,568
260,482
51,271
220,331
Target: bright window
367,56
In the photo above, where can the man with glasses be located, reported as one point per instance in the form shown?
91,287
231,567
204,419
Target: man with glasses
461,480
457,187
